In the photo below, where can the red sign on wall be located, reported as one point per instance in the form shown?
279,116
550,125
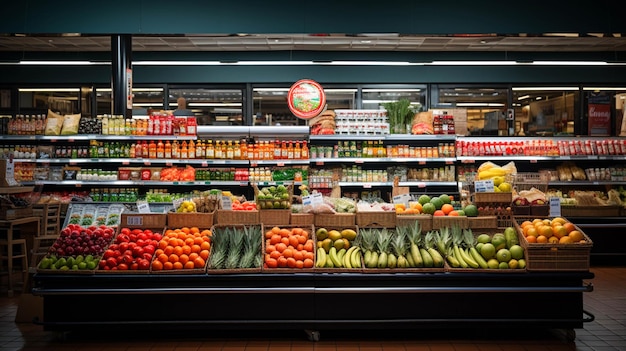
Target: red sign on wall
599,119
306,99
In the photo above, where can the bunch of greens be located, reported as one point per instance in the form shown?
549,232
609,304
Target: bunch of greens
400,114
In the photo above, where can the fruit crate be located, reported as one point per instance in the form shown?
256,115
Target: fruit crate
340,229
237,217
159,230
399,270
449,221
483,222
425,220
190,219
554,256
302,219
491,232
269,231
180,233
143,220
528,180
385,219
216,228
275,217
493,198
334,219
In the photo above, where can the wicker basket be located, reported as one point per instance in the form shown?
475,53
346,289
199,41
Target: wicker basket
192,219
266,241
237,217
302,219
334,219
556,257
339,269
449,221
275,217
483,222
426,221
493,198
143,220
213,270
376,219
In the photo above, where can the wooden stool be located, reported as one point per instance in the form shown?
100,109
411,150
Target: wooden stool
12,252
50,226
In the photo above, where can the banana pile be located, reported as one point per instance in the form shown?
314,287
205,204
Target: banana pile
499,175
335,249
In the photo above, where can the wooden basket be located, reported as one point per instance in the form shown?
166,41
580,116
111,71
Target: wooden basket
275,217
143,220
493,198
213,270
426,221
385,219
237,217
449,221
340,269
302,219
487,222
191,219
556,257
334,219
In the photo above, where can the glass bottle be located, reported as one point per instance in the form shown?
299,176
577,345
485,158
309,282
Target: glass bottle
191,150
160,150
237,150
152,149
210,151
184,151
305,150
230,153
175,150
167,151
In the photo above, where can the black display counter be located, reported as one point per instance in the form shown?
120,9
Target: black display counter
314,301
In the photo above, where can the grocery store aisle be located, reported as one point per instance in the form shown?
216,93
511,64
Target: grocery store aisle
607,332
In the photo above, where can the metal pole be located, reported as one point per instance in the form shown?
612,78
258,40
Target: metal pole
121,64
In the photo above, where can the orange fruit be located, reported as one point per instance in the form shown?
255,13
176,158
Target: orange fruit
193,256
531,239
276,230
447,208
308,262
196,248
198,262
525,223
288,253
157,265
439,213
541,239
204,254
185,230
168,266
186,249
177,265
293,241
194,230
173,258
206,232
205,245
565,240
559,231
569,227
532,232
546,221
197,240
296,231
162,258
453,214
546,231
536,220
183,258
576,236
178,250
299,264
189,265
553,240
559,220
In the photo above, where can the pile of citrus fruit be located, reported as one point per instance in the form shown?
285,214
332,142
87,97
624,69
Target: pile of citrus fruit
182,248
554,231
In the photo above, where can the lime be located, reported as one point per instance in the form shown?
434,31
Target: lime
488,251
517,252
483,238
503,255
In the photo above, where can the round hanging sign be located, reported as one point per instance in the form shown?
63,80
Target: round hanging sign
306,99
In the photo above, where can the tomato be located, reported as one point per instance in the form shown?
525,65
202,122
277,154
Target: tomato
123,246
102,264
122,267
142,237
144,264
125,231
134,266
150,248
147,256
137,251
111,262
109,253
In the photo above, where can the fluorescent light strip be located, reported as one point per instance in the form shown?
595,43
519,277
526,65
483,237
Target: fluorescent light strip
543,88
66,63
473,63
479,104
390,90
55,90
523,97
214,104
134,89
570,63
604,88
385,101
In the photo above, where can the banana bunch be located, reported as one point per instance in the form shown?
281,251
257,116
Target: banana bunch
350,258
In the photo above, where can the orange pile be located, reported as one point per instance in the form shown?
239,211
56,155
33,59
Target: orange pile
183,248
555,231
288,248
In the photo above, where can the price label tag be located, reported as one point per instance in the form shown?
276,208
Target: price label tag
421,162
421,185
534,160
134,220
177,202
146,163
468,161
316,199
72,163
204,164
143,207
483,186
71,140
402,199
227,203
319,163
367,185
9,173
280,164
307,200
448,162
169,164
124,163
254,164
555,207
359,161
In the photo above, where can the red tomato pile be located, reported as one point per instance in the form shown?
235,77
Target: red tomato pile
132,249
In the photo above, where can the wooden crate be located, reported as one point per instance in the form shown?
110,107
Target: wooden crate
449,221
334,219
426,221
493,198
143,220
556,257
302,219
481,222
237,217
191,219
275,217
590,211
376,219
9,213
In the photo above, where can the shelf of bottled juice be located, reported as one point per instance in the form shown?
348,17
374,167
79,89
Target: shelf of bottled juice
376,149
221,149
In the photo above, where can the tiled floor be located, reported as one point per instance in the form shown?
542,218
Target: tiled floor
607,332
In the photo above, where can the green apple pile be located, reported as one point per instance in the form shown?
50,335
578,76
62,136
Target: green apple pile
501,250
273,197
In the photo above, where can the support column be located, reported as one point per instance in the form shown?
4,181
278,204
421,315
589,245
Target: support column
121,64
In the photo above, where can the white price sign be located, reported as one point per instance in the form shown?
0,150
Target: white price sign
402,199
555,207
143,207
316,199
483,186
177,202
227,203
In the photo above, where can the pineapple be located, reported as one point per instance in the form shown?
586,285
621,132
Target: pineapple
399,245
